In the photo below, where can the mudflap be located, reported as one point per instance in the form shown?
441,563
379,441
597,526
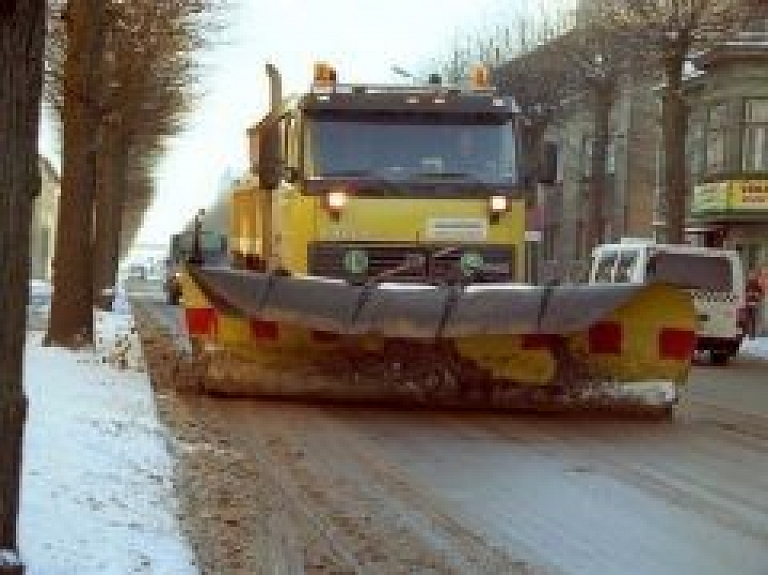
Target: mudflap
491,346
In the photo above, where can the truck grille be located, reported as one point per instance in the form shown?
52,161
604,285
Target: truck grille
404,262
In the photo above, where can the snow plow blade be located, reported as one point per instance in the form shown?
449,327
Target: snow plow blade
477,346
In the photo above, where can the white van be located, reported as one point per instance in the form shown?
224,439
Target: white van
714,277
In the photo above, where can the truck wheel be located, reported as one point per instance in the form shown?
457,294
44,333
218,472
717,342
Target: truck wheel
717,357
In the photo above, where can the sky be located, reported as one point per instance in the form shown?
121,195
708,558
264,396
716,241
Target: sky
363,39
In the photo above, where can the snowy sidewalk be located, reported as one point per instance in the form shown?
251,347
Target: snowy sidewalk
97,496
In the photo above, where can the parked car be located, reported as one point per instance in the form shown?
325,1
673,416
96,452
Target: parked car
713,277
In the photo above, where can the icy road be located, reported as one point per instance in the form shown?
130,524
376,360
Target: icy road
273,487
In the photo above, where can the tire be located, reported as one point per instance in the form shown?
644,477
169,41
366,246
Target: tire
719,357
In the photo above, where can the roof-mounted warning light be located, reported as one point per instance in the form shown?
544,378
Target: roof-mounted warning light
479,77
325,74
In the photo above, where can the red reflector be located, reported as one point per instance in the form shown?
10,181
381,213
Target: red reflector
605,337
201,320
263,329
541,341
324,336
676,343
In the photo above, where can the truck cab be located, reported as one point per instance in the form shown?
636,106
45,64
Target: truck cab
411,183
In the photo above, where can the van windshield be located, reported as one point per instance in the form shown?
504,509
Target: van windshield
691,271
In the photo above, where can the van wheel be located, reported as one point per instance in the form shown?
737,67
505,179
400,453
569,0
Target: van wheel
719,357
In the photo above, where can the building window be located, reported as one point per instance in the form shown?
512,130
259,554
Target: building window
755,144
588,145
696,147
717,121
625,266
604,269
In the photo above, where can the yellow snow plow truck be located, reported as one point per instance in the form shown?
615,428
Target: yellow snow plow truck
376,255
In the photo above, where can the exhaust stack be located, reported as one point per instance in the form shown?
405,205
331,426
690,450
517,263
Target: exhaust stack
275,87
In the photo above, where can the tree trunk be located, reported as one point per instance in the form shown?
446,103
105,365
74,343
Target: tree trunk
118,218
22,34
674,126
108,211
603,94
101,206
71,322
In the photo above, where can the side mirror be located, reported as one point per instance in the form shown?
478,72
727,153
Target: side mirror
291,174
269,156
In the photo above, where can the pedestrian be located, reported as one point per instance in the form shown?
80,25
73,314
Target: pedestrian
754,301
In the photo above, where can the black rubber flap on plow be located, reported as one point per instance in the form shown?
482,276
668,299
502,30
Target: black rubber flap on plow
575,308
231,290
495,310
402,311
313,303
412,312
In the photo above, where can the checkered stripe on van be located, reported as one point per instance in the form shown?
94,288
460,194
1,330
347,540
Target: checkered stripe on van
714,297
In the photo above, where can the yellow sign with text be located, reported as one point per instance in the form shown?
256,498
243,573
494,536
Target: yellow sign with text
730,196
749,195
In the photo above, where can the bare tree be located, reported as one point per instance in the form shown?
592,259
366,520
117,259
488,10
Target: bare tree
22,34
672,29
120,86
71,321
538,82
148,69
597,56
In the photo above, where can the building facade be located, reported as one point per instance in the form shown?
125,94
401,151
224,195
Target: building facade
42,235
631,183
728,151
727,92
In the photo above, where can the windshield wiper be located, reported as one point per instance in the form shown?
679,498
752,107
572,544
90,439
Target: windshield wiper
439,174
346,174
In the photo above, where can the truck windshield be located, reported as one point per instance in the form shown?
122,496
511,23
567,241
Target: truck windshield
413,146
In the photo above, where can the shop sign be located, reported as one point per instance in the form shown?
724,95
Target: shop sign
710,197
749,195
730,196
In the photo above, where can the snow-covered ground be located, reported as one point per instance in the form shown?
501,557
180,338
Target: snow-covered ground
97,496
757,347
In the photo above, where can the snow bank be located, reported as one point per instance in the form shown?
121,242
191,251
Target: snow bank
757,347
97,495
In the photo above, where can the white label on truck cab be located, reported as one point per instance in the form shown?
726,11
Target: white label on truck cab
468,229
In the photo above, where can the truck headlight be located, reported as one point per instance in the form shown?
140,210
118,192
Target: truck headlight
498,204
336,200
